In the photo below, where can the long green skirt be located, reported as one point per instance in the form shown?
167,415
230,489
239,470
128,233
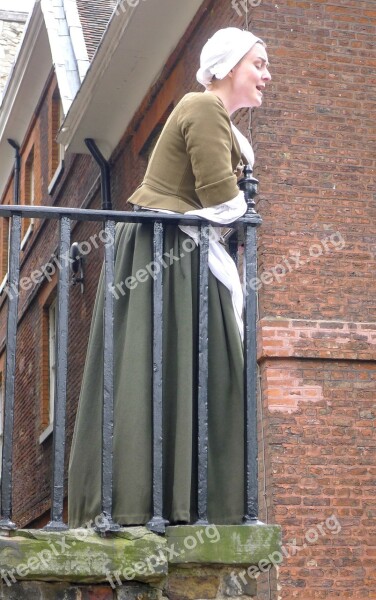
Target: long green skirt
133,392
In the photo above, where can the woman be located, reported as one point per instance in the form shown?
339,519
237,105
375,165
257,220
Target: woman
193,169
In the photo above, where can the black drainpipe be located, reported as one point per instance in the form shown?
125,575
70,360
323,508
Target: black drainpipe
105,173
17,167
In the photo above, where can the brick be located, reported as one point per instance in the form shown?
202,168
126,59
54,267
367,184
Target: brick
312,139
97,593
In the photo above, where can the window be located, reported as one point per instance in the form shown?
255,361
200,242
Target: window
29,198
151,140
56,150
57,120
4,252
151,121
48,369
52,358
148,149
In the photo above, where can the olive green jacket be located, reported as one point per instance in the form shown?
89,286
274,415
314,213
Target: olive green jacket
194,162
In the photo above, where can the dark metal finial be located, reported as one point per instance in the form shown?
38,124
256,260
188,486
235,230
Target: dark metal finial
248,184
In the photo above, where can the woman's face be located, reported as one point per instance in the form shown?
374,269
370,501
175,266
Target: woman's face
249,77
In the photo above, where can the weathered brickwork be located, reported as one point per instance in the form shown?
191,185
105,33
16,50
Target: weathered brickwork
316,339
313,140
316,288
319,429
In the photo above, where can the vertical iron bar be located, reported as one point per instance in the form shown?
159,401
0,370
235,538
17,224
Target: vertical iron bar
57,497
107,523
11,342
250,379
157,522
202,484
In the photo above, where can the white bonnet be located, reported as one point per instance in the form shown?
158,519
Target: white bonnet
223,51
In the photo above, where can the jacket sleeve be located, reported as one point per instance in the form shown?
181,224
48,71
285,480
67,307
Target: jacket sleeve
206,128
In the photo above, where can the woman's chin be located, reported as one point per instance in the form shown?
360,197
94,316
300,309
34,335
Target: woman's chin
255,102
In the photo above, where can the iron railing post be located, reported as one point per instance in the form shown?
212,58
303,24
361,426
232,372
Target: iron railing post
57,495
11,342
249,185
157,522
107,523
202,409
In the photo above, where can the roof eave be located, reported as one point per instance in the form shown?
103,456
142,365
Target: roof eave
23,90
124,67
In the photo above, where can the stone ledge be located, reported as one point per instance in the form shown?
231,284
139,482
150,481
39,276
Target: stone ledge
82,556
133,553
241,545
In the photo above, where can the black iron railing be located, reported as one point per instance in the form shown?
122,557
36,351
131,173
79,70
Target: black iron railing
65,216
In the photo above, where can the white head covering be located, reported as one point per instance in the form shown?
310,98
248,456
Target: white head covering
223,51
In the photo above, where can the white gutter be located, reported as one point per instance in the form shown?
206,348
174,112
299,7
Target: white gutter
77,37
66,39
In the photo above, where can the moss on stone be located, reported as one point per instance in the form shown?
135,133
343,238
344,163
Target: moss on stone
81,555
223,544
133,553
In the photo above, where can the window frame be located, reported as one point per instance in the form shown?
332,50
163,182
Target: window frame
47,407
29,196
56,150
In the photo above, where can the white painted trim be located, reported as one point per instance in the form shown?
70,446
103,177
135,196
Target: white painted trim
3,283
46,433
56,177
27,235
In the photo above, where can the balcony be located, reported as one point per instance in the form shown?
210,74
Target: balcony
237,539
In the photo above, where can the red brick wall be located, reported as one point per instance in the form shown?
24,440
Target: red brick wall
317,330
317,244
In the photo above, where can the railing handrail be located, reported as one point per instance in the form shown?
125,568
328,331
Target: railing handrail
138,216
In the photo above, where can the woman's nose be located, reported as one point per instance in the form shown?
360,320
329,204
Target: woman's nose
266,76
